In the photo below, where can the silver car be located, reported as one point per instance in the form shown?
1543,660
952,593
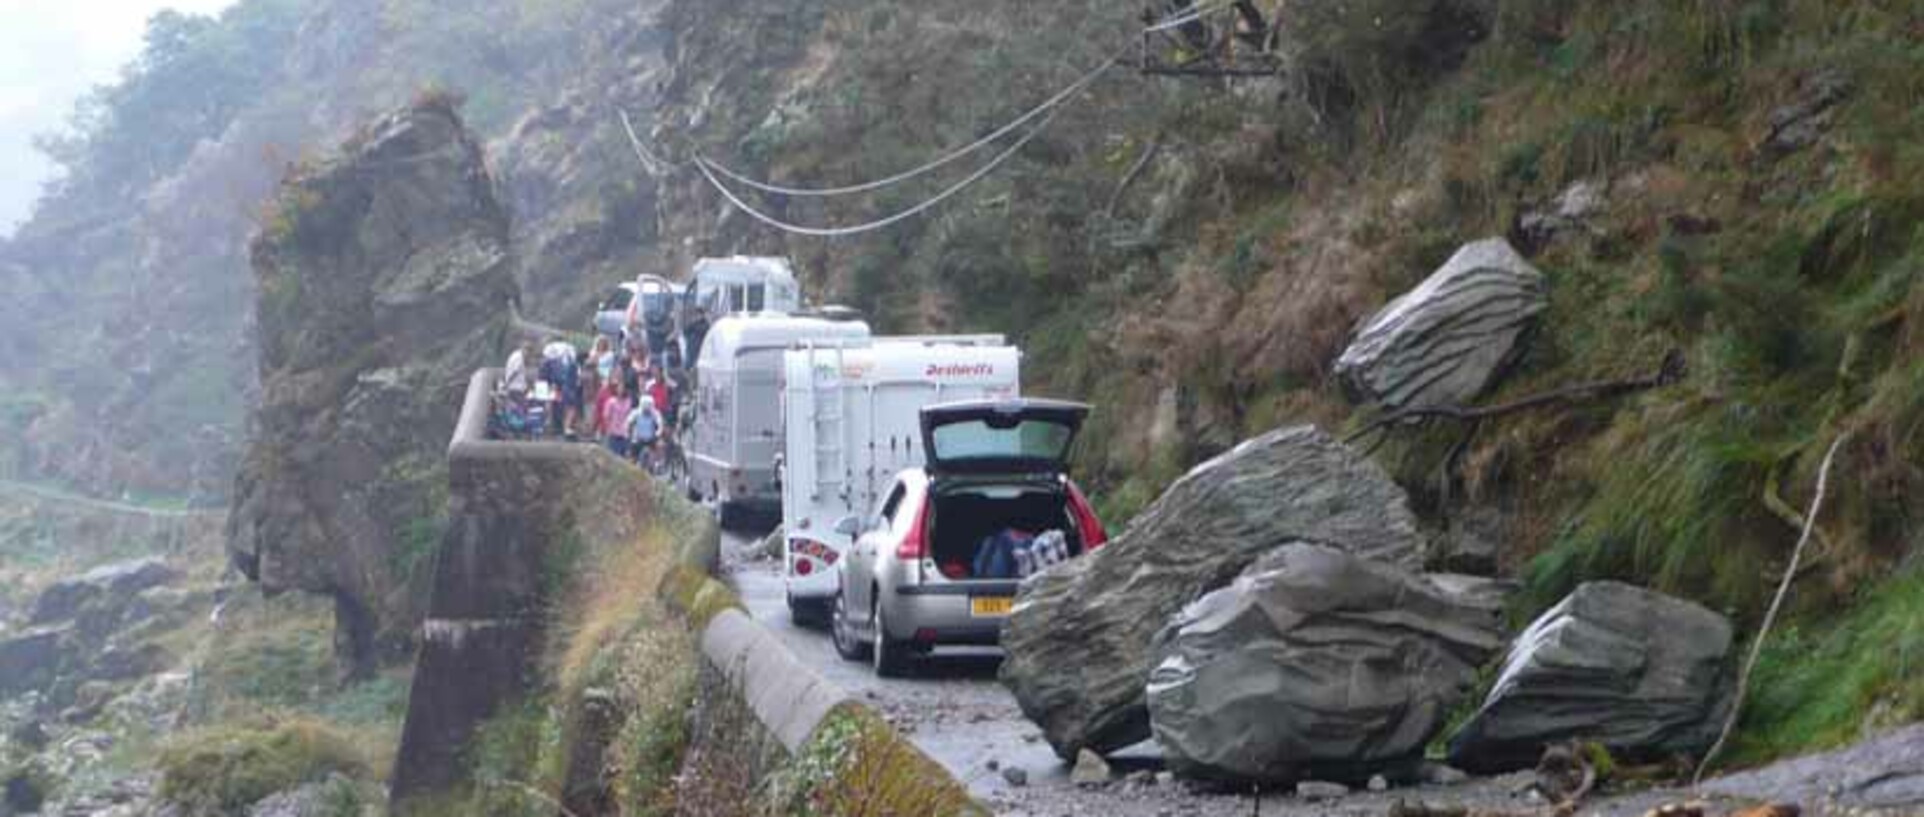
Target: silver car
940,559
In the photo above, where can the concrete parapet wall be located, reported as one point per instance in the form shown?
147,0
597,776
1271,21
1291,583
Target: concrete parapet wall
517,523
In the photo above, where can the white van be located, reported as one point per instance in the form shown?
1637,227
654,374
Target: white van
736,430
851,420
744,283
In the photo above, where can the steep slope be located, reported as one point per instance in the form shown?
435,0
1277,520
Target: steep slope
385,277
129,285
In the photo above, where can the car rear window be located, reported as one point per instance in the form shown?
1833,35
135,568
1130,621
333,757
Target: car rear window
617,299
1028,439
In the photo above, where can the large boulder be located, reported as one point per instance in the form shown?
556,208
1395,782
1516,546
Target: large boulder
1640,672
1079,642
65,599
34,659
1315,663
384,276
1448,339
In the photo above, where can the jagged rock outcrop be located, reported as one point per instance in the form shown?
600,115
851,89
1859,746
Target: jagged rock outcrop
384,275
32,660
1315,663
66,599
1080,641
1447,340
1640,672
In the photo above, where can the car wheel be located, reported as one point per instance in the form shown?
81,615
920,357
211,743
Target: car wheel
891,656
810,613
847,645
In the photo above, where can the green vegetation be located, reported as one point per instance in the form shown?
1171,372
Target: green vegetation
223,770
1835,678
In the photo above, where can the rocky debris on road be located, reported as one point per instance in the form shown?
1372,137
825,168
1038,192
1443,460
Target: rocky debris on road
1639,672
1079,644
64,600
1090,769
1015,776
1885,772
1315,663
1446,341
769,547
1314,790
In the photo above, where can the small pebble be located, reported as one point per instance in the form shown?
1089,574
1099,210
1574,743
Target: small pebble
993,764
1321,790
1016,776
1165,778
1379,783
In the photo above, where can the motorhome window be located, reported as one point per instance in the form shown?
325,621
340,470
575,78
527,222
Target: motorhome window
737,298
757,297
1028,439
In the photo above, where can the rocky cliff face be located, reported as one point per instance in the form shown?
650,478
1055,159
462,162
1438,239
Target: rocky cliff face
384,277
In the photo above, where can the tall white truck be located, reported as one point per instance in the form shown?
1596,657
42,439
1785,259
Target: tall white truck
735,434
851,420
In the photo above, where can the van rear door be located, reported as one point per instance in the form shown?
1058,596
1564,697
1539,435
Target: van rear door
1022,436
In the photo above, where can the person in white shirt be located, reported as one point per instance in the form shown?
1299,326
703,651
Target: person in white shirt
518,376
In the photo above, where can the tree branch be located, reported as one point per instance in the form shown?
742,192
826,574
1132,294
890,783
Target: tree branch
1670,371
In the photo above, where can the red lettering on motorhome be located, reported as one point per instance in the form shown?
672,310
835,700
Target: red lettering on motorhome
960,370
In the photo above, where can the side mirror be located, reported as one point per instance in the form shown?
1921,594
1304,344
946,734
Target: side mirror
850,526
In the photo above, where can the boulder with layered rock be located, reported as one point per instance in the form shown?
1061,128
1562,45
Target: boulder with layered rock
1644,674
1446,341
384,275
1316,664
1080,642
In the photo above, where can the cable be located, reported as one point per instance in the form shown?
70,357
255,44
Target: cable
906,175
831,232
1192,15
653,164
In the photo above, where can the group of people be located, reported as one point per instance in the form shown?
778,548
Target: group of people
621,399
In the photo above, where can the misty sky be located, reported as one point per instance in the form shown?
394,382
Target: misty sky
52,51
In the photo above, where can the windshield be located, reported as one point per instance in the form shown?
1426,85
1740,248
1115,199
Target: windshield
999,440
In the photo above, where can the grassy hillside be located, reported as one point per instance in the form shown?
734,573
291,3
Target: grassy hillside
1758,169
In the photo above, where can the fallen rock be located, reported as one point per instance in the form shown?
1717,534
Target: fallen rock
1015,776
1315,663
33,659
1438,774
1447,340
1378,783
66,599
1079,644
1641,673
1090,770
1321,790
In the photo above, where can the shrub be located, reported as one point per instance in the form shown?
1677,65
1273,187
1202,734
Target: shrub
223,770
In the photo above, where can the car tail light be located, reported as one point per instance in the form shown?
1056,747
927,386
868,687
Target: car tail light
915,544
1093,536
803,566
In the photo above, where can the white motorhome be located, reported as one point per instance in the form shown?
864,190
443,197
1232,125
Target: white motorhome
851,420
736,429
